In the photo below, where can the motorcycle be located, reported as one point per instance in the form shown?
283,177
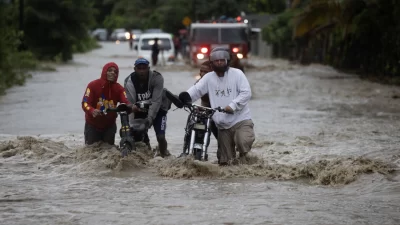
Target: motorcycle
198,129
136,133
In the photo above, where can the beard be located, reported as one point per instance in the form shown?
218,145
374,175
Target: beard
142,75
220,69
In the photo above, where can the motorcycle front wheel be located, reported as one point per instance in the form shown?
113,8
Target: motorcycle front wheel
125,152
125,149
198,154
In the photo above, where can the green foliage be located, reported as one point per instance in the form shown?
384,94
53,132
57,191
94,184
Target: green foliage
13,63
267,6
229,8
279,33
101,9
166,14
114,21
359,35
280,29
53,27
51,30
174,14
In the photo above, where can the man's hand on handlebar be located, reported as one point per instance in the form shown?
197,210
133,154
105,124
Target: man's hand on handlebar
228,110
96,113
185,98
135,108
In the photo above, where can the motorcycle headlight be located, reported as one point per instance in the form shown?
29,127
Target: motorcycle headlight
199,126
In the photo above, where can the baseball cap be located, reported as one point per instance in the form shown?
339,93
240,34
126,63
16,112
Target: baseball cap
141,61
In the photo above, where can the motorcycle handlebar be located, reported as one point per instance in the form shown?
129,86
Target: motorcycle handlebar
127,108
180,102
219,109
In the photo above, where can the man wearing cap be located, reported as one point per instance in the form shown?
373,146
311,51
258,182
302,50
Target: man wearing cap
228,88
144,84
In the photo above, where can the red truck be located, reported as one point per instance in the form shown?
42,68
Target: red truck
204,36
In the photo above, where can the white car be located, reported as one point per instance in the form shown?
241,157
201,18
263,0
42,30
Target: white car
136,35
118,34
165,42
100,34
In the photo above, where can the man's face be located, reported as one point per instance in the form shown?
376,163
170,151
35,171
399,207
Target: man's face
112,74
203,70
219,62
220,65
142,70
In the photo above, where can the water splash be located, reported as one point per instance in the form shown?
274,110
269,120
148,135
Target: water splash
336,171
105,159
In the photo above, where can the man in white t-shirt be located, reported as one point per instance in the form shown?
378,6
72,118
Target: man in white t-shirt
228,88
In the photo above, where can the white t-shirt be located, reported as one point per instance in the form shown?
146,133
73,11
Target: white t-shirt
232,89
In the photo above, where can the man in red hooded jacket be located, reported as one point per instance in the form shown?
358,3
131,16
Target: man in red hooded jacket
101,94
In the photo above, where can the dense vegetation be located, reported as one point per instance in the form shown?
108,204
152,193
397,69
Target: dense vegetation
45,30
164,14
357,35
360,35
53,30
13,62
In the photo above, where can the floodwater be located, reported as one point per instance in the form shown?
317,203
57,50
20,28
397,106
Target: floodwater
327,152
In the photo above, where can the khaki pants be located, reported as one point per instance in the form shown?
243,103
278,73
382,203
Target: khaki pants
240,135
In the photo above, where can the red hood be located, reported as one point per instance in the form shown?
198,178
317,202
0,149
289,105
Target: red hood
105,68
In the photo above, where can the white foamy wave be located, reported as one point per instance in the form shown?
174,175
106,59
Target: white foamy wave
104,159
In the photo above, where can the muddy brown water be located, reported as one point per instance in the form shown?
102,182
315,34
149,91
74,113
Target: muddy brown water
326,152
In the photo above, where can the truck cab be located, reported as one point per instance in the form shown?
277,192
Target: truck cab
203,37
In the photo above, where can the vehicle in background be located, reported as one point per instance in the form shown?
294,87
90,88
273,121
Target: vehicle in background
118,35
101,34
135,35
165,42
204,36
153,30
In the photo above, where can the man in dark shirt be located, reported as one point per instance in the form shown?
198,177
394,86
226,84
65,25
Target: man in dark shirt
144,84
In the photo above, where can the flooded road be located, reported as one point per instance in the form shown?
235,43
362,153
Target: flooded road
327,152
